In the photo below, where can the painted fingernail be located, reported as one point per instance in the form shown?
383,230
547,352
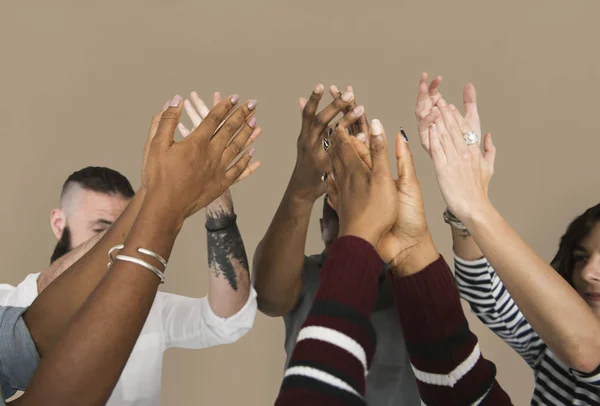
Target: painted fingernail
334,89
235,98
359,110
252,122
318,89
350,88
347,96
452,107
252,104
403,134
336,126
175,101
324,177
376,127
251,152
361,137
329,132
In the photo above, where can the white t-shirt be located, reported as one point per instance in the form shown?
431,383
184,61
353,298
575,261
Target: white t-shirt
174,321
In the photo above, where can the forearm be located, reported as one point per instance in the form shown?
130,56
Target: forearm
443,351
279,257
229,283
339,315
464,245
65,262
54,307
89,356
553,308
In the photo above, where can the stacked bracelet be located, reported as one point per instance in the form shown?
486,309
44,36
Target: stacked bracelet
151,268
454,221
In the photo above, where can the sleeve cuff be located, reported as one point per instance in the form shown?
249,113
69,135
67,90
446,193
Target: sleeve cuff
350,274
244,318
428,303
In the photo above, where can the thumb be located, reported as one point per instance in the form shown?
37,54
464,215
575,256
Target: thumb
168,122
404,160
489,149
378,146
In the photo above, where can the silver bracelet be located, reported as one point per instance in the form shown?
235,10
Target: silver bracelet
146,265
138,261
454,221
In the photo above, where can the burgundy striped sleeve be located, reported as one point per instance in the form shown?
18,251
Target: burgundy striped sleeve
443,351
336,344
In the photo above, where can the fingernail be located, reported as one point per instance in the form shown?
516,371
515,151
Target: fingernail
235,98
334,89
403,134
251,152
329,132
347,96
252,104
452,107
319,89
350,88
361,137
324,177
376,127
175,101
336,126
252,122
359,110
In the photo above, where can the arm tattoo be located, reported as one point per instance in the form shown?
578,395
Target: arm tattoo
225,248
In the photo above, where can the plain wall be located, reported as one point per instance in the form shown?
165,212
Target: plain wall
80,81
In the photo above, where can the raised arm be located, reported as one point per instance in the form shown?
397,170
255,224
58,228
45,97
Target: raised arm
279,257
90,354
553,308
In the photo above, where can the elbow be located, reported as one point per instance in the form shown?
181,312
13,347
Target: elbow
585,364
271,309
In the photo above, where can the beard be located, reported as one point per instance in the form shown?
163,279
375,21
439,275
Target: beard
62,246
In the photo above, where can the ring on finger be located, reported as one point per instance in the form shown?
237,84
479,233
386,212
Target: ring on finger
471,138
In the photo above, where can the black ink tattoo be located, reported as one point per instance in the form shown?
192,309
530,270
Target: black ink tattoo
225,247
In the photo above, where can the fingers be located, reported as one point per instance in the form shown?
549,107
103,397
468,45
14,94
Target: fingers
437,151
302,102
434,92
183,130
211,122
216,99
470,102
255,134
154,123
381,164
310,108
422,97
342,154
250,169
168,122
237,169
237,144
192,114
362,149
200,105
489,149
453,129
464,128
236,121
322,119
351,117
424,125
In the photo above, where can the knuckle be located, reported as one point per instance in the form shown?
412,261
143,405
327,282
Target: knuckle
169,115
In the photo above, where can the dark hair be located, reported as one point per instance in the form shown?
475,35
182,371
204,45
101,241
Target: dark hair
101,180
62,246
576,232
328,213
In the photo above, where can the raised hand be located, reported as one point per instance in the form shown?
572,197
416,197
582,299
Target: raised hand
410,228
365,198
463,171
312,161
193,172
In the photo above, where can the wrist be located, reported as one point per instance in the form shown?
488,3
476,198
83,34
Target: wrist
416,258
164,214
478,216
299,190
371,238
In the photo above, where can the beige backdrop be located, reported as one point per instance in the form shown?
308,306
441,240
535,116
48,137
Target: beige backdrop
80,81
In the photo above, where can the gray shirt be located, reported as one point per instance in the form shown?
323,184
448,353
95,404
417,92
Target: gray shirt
391,381
18,356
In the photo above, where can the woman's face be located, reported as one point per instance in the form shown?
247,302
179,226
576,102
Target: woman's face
586,272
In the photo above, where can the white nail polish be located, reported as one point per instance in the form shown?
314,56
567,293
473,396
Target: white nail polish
376,127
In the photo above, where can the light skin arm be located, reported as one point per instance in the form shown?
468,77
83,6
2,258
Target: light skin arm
553,308
279,257
229,277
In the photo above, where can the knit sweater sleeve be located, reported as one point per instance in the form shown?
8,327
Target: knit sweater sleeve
336,344
444,353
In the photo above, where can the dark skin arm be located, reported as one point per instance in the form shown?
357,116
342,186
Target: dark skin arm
279,257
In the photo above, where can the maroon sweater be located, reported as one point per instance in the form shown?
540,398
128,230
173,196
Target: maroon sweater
336,344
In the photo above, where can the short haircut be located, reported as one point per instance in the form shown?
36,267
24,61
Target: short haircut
99,179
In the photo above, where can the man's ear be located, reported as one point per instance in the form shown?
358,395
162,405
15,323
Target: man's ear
58,221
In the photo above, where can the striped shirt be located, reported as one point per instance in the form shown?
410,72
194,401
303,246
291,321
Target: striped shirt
555,382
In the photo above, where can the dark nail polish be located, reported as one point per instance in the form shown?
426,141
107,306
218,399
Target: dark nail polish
336,126
403,134
329,132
